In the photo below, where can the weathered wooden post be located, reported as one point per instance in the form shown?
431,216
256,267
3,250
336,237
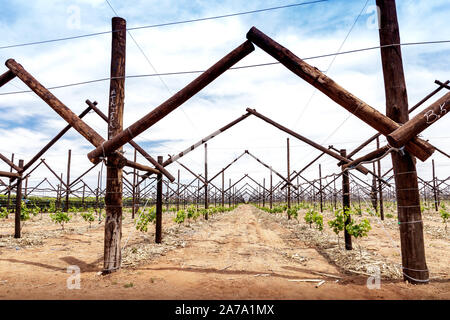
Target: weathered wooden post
223,188
320,188
66,205
264,192
346,203
288,177
158,231
206,181
271,189
18,204
113,197
133,210
178,191
408,199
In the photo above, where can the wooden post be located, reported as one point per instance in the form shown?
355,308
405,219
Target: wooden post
113,197
206,180
288,177
436,202
408,199
18,204
271,189
346,204
223,188
66,206
9,187
133,209
320,188
380,188
229,196
158,231
178,191
264,192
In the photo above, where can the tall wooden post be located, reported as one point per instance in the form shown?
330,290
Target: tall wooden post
9,189
264,192
223,188
133,209
320,188
271,189
229,197
408,199
66,205
206,180
288,177
380,187
18,204
436,201
178,191
113,197
159,183
346,203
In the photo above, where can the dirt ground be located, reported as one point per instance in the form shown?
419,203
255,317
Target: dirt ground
243,254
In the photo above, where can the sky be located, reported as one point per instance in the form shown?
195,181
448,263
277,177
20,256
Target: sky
27,123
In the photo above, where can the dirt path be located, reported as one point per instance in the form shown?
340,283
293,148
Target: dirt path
236,255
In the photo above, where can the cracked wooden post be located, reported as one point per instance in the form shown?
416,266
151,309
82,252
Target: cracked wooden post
346,203
351,103
159,183
414,265
113,197
66,205
18,204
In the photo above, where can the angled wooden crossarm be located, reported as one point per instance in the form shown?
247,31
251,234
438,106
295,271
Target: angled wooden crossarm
6,77
418,104
134,144
304,139
368,157
173,102
86,131
9,162
421,149
9,174
420,122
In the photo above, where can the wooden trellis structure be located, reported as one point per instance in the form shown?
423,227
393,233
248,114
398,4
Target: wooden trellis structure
400,132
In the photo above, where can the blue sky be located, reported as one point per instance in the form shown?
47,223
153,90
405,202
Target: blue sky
307,30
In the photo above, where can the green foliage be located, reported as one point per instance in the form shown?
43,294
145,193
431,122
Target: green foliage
292,213
181,216
389,215
88,217
358,230
338,223
312,216
4,213
24,212
144,218
60,217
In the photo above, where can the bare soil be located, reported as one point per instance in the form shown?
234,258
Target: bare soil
243,254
